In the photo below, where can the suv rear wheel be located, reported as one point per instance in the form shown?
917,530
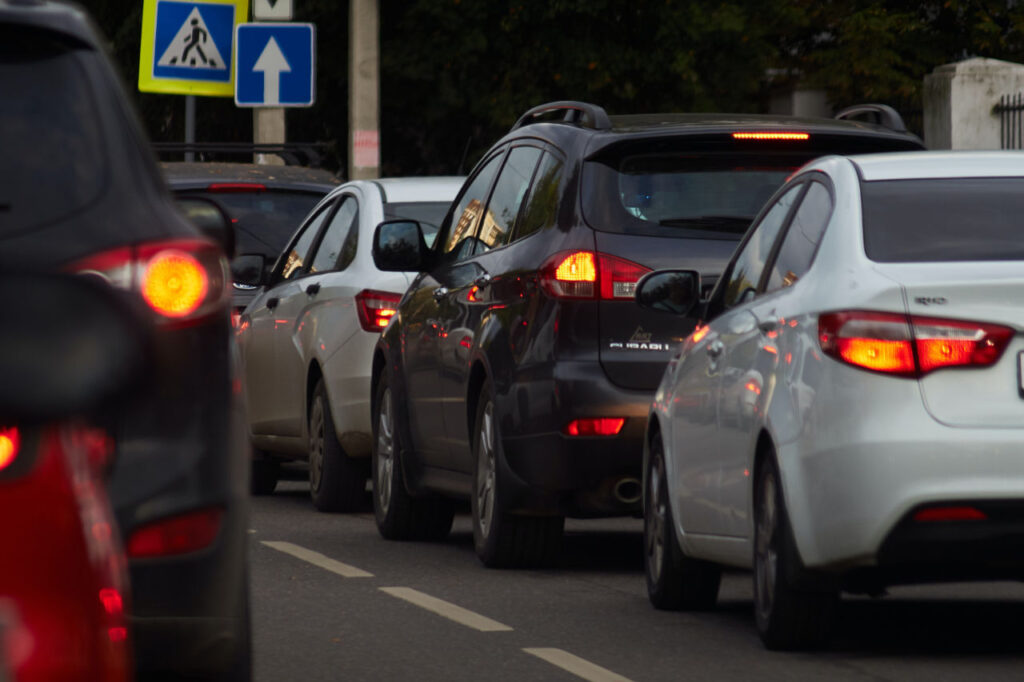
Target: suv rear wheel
503,539
336,481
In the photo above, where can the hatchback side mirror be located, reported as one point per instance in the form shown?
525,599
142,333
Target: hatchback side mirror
398,246
669,291
211,219
249,270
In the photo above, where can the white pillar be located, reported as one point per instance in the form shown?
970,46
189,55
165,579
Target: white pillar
364,90
959,100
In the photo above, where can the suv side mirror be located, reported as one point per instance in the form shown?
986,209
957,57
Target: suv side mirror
249,270
211,219
398,246
669,291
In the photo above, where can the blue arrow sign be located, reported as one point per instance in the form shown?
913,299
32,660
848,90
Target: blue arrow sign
275,66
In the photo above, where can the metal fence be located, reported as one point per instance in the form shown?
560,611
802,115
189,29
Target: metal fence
1011,121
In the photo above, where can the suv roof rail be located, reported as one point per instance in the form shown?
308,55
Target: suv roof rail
884,115
579,113
293,153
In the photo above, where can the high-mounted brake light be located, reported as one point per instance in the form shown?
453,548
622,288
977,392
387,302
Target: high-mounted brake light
235,187
376,308
771,136
10,443
180,279
589,275
177,535
601,426
909,346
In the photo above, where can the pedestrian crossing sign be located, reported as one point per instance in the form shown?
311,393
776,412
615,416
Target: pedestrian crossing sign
188,46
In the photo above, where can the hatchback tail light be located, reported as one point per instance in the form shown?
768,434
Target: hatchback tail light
600,426
908,345
180,280
10,443
590,275
376,308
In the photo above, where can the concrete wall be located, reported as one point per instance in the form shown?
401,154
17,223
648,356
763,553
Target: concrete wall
813,103
959,100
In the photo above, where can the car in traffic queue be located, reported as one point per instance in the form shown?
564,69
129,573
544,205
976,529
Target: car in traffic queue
307,338
517,372
81,193
847,415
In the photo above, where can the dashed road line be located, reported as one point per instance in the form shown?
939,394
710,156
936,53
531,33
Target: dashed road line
447,609
577,666
318,559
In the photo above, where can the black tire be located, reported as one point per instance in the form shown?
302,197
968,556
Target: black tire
336,481
265,472
674,581
399,515
787,617
501,539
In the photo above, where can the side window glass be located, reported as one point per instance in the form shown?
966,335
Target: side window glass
461,235
507,197
801,240
298,254
750,262
332,246
542,205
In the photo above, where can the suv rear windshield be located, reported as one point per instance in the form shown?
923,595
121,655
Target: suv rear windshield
54,152
266,219
959,219
694,195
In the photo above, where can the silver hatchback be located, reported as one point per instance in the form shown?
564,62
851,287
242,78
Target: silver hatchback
850,415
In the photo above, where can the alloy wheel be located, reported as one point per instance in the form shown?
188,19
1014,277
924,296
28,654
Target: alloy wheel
485,471
385,453
766,555
316,444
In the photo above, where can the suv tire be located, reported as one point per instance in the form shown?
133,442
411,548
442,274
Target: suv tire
336,481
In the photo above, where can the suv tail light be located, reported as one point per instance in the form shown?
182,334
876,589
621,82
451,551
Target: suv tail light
10,443
181,279
590,275
909,346
376,308
189,532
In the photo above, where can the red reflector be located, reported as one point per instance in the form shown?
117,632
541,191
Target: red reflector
235,187
771,136
376,308
111,600
10,443
589,275
602,426
177,535
961,513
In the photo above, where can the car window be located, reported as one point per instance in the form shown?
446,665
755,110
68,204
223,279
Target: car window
263,219
461,239
507,197
749,263
542,204
337,247
428,214
802,238
48,128
298,255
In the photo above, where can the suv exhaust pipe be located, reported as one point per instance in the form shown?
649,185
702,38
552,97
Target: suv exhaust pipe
627,490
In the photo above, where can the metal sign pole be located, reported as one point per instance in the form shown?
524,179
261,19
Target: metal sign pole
190,125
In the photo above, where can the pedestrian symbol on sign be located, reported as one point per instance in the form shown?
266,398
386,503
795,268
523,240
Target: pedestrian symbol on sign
192,47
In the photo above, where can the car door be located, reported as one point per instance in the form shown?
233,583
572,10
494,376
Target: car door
272,318
423,328
710,369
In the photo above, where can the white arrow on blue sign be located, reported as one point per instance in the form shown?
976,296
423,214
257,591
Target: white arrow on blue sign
274,65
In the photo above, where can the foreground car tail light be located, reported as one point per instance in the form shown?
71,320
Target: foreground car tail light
909,346
176,535
180,280
10,443
602,426
590,275
376,308
950,513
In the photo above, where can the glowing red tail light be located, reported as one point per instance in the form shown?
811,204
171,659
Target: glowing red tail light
10,443
176,535
601,426
180,280
376,308
589,275
909,346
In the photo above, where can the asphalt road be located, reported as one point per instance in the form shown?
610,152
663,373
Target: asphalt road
334,601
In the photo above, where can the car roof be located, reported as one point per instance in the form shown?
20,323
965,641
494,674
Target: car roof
419,189
690,122
198,174
58,17
939,164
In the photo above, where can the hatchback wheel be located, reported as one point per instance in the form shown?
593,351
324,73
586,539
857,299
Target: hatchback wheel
787,617
502,539
674,580
399,515
336,481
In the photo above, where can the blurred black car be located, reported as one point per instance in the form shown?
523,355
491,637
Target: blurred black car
80,192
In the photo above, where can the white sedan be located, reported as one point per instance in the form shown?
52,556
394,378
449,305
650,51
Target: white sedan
306,340
851,413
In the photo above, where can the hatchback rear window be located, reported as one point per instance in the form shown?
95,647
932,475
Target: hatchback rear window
266,219
429,214
934,220
54,162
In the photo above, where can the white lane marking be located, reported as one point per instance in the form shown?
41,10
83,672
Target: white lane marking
318,559
446,609
576,665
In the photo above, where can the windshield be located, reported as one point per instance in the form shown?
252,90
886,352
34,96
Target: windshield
429,214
